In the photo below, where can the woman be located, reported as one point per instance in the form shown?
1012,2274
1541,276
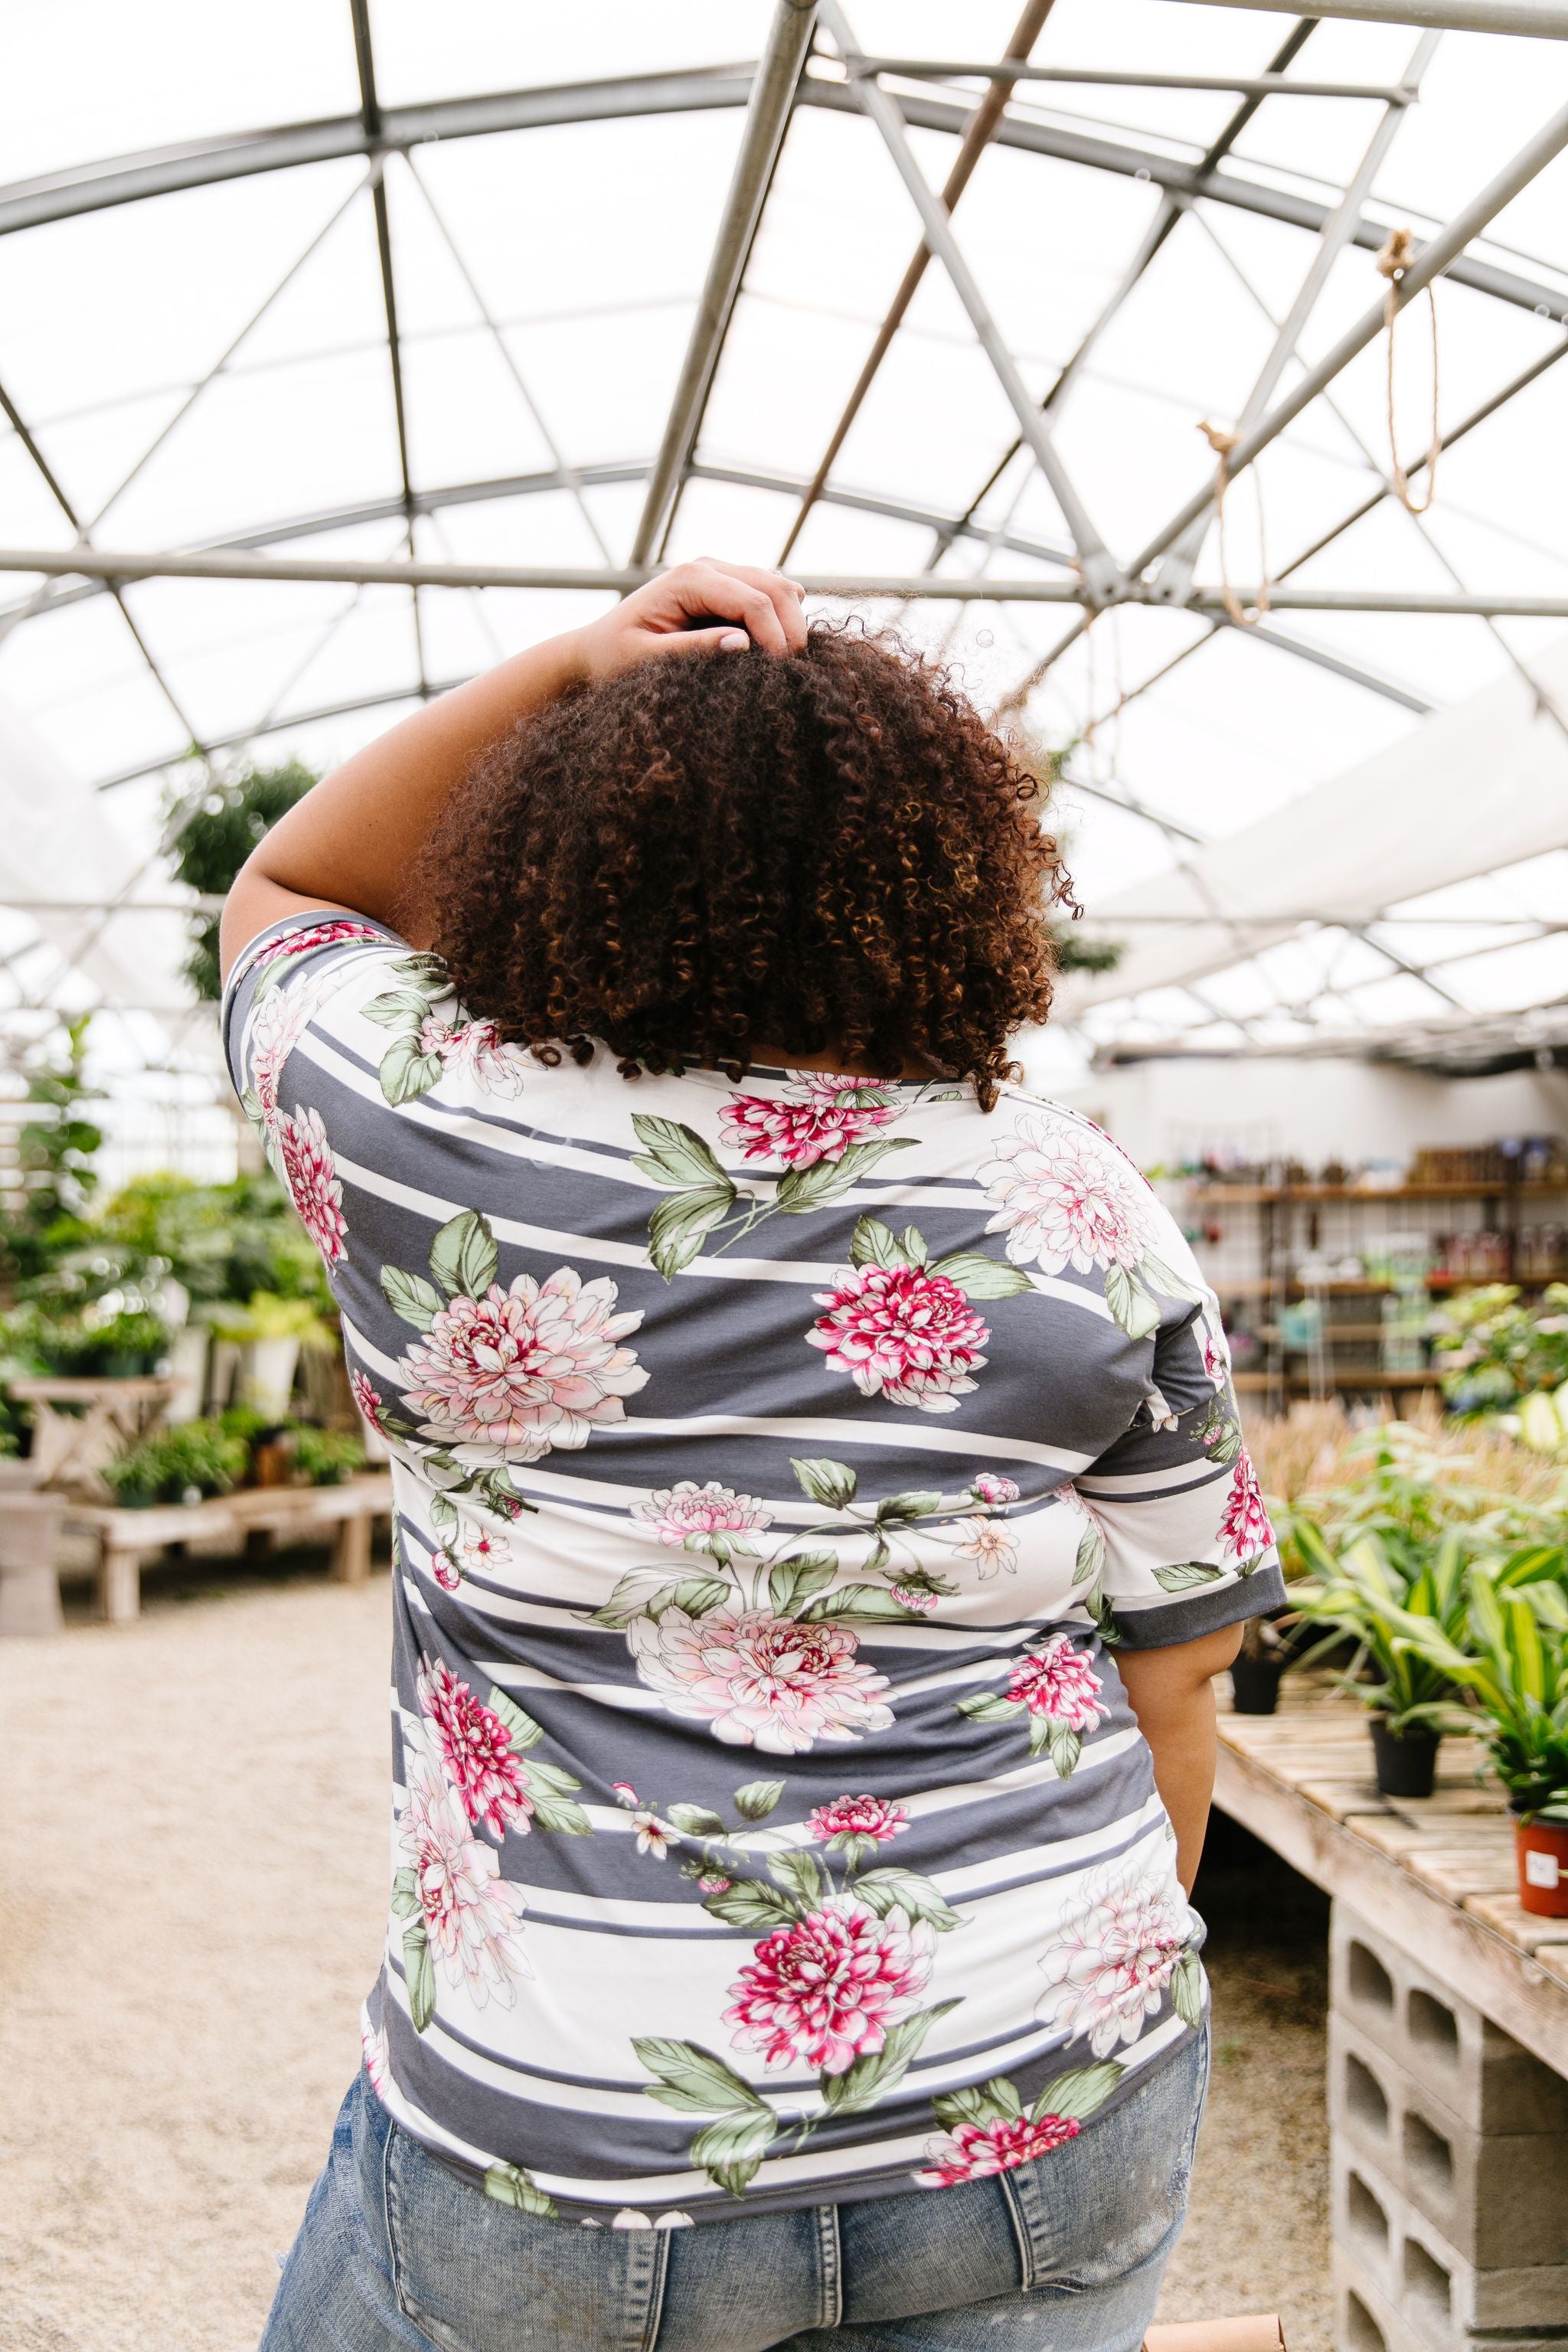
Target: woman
820,1512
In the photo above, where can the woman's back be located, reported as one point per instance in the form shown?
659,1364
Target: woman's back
771,1454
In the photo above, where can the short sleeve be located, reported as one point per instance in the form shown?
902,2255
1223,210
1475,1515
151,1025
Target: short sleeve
1188,1545
279,983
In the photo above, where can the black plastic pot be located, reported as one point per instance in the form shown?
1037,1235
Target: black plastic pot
1406,1762
1255,1683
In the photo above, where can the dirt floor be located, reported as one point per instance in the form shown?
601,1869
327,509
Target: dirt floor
191,1892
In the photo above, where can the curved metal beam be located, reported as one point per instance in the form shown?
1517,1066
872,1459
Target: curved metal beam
127,179
1543,19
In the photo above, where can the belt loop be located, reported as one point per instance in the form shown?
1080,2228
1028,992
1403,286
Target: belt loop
830,2254
1011,2185
649,2251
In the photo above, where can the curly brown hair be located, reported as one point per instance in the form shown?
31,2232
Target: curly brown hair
822,851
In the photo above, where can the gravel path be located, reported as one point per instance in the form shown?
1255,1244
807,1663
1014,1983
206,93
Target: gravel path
191,1910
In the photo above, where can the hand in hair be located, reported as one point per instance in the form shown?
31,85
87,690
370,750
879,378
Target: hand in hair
658,619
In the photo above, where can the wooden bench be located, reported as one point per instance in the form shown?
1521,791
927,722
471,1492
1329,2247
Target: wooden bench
254,1519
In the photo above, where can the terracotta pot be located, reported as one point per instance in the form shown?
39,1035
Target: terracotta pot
1543,1848
1406,1762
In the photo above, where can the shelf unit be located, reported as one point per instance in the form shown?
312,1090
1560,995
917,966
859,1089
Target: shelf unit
1287,1221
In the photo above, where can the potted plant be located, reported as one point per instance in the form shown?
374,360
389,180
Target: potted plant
1361,1593
1258,1667
269,1333
326,1457
1515,1663
183,1466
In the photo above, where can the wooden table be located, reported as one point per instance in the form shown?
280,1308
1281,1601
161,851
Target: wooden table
254,1519
1436,1873
80,1424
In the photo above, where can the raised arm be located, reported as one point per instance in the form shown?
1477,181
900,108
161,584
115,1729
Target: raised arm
353,842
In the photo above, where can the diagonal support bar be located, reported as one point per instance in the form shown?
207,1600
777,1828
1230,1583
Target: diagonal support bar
1546,19
1431,261
1100,576
779,70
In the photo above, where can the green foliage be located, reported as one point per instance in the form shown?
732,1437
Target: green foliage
198,1453
214,842
1495,1351
72,1346
56,1149
326,1457
265,1315
220,1241
1510,1652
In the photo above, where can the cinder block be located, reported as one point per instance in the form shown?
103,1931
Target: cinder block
1484,2078
1438,2296
1365,2321
1499,2199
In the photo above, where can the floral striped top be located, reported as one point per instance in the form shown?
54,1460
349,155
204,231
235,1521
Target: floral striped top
778,1465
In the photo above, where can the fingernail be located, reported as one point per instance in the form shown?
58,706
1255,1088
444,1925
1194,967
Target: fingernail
733,641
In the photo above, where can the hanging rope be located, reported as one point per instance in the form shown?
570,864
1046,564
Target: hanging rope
1392,262
1222,443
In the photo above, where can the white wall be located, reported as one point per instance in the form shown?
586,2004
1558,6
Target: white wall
1167,1112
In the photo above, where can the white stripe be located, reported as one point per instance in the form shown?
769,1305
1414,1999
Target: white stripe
920,1440
1153,1483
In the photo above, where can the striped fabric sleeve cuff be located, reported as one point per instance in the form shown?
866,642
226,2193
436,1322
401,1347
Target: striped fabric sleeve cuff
1197,1613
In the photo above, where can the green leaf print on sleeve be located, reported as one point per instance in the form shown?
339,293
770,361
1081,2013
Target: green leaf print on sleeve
870,2078
397,1009
831,1482
410,1297
510,2185
1157,1276
1186,1575
463,1255
406,1073
1134,1308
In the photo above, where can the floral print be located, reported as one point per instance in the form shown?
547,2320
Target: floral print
1116,1957
858,1817
376,2056
1058,1682
279,953
311,1174
1063,1198
759,1680
469,1914
902,1333
817,1117
366,1396
526,1368
988,1488
974,2151
709,1517
474,1049
476,1747
1244,1531
989,1546
826,1989
427,1043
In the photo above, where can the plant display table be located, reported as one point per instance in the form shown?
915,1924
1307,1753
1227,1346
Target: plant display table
80,1424
254,1519
1447,2033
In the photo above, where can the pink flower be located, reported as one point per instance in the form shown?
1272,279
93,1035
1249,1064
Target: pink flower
1214,1363
989,1546
976,2150
902,1333
311,1174
625,1792
761,1681
988,1488
527,1369
376,2056
1115,1956
653,1837
368,1396
1064,1198
870,1817
704,1518
815,1118
476,1747
714,1881
1058,1682
279,1022
474,1049
826,1989
913,1596
470,1913
444,1570
314,935
1244,1531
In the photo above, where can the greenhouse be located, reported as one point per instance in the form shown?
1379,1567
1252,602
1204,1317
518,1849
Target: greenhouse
573,587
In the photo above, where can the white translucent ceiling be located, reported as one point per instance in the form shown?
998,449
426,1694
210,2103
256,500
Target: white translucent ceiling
208,367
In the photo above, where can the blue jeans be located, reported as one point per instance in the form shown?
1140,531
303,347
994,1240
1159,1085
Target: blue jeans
1064,2254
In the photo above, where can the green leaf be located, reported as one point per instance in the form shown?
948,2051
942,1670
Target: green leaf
757,1800
730,2150
912,1242
805,1188
250,1104
696,1594
979,1276
857,1604
831,1483
854,1846
872,1244
676,1229
674,1154
912,1505
510,2185
1186,1575
1130,1304
751,1905
1091,1551
694,2080
894,1889
405,1896
632,1597
1066,1747
987,2102
410,1296
419,1974
406,1073
1077,2093
1157,1274
559,1815
1187,1989
400,1008
463,1255
799,1875
443,1515
544,1775
794,1581
697,1820
870,2078
521,1729
989,1706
